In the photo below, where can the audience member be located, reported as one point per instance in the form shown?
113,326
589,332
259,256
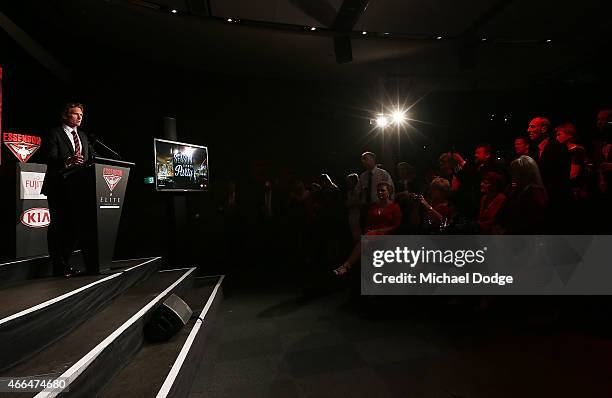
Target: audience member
352,204
492,200
552,158
407,187
566,134
440,212
554,164
525,207
521,146
384,218
370,178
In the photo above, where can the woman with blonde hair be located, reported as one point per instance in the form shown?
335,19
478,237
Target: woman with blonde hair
526,206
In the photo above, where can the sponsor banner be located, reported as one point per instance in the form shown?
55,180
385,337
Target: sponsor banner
37,217
486,264
31,184
22,146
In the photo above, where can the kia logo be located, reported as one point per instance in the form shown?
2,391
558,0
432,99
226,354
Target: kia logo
37,217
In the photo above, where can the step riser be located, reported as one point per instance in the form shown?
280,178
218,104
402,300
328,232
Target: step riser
23,337
119,353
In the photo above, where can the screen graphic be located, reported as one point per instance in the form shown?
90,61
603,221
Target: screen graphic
180,166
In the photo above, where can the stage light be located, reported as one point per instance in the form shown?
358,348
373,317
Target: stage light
230,20
483,39
174,11
439,37
398,117
548,41
313,28
382,121
364,33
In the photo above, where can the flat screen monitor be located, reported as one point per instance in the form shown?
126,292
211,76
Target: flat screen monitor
180,166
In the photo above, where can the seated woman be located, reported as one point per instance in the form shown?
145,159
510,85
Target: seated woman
384,217
491,202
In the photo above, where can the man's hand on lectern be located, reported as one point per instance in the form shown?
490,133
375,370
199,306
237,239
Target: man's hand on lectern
74,161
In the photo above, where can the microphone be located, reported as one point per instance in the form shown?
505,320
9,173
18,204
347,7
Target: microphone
94,139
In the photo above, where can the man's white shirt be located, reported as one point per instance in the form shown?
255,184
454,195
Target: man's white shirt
68,131
378,175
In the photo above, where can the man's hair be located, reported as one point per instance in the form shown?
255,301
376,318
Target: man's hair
71,105
487,147
568,128
442,184
522,137
370,154
405,165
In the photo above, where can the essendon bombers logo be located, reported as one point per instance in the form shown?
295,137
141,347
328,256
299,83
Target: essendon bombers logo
112,177
23,146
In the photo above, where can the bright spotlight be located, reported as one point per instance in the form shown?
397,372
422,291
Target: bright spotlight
313,28
398,117
382,121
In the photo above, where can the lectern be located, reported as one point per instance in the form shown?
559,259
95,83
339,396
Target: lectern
97,191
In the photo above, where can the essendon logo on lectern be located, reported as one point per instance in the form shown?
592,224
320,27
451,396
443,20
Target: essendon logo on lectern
112,177
37,217
23,146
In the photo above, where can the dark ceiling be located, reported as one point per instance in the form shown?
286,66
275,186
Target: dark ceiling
435,43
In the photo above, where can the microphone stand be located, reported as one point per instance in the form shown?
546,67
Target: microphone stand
97,141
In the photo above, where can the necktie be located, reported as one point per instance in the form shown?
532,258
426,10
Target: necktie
77,143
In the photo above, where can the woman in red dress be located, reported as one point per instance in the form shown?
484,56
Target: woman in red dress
384,218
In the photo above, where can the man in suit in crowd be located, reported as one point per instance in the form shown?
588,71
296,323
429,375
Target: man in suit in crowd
552,157
65,148
369,180
554,162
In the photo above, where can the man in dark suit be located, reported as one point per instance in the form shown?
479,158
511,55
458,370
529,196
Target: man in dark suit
554,162
65,148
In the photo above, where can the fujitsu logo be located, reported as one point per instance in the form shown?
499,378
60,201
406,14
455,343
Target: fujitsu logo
21,145
112,177
37,217
34,183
